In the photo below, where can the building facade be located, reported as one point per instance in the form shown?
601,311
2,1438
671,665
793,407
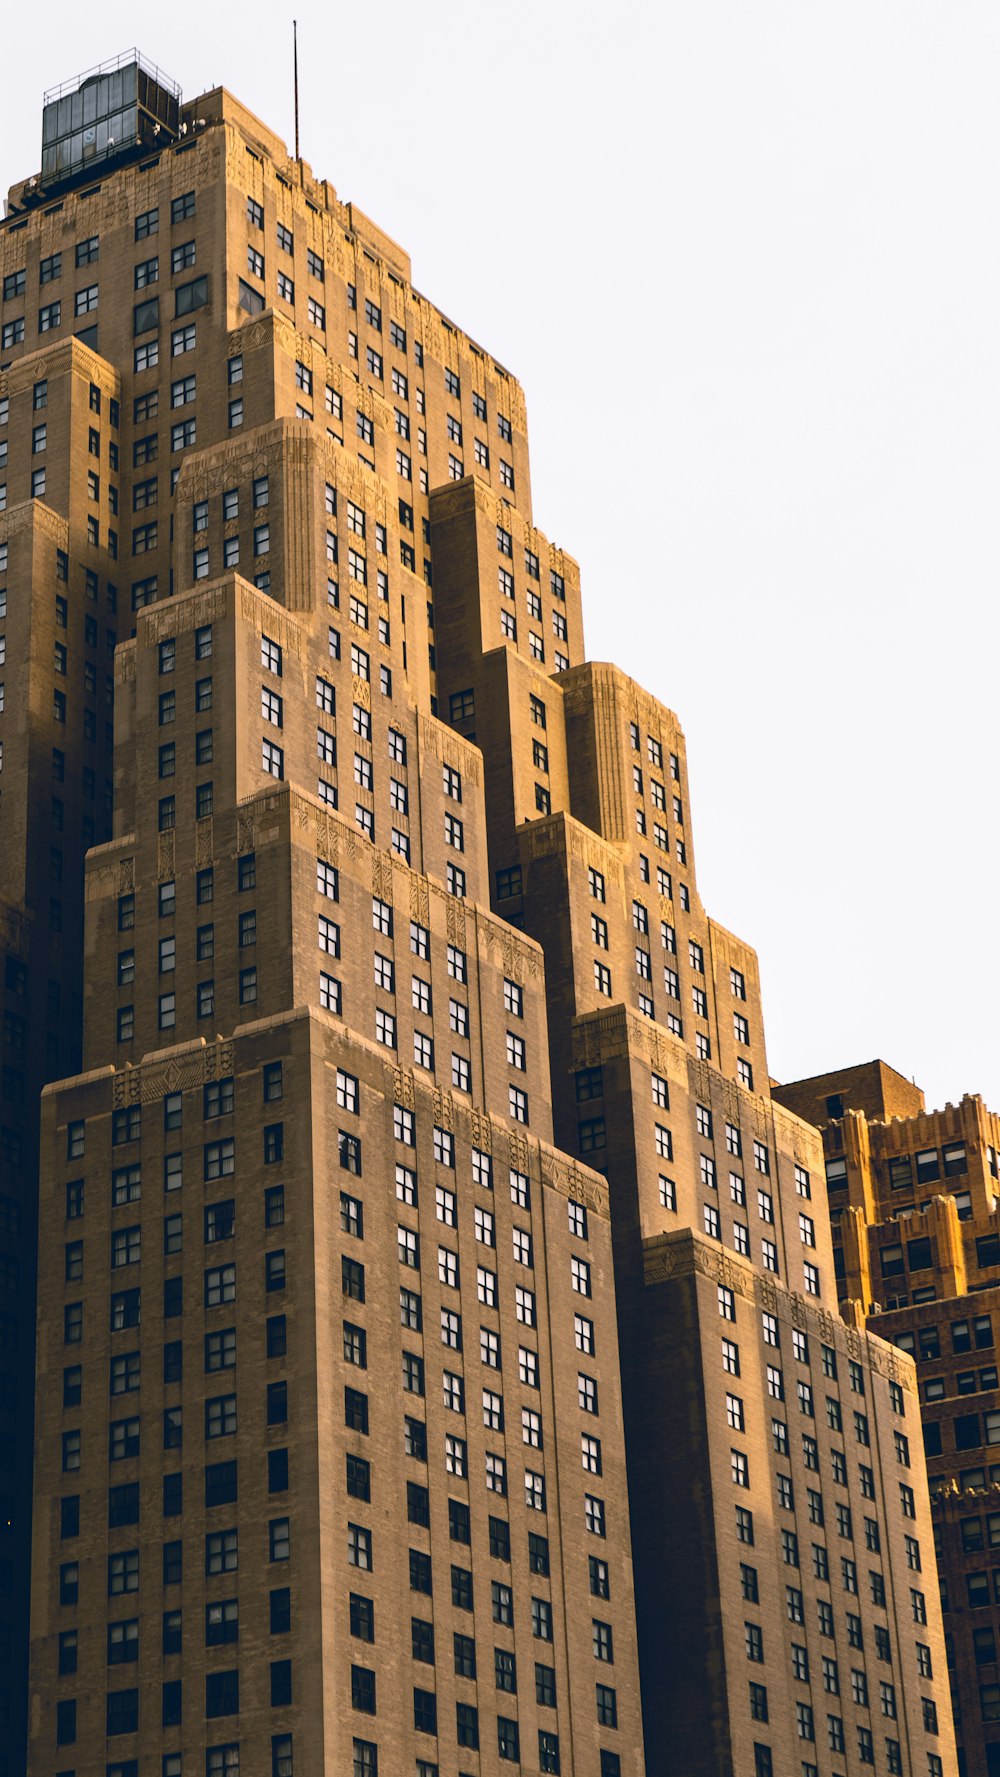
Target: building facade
913,1198
58,631
409,1052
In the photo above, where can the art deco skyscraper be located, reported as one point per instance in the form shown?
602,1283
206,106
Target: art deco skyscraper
332,1418
330,1458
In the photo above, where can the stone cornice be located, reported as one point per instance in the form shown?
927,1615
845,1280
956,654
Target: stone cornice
621,1032
453,498
446,745
335,838
34,515
51,360
582,683
603,1036
669,1257
559,833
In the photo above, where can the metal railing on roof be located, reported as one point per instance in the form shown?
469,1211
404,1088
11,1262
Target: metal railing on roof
125,60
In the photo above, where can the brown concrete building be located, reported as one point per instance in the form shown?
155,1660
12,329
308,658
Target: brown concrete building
913,1201
873,1088
409,1052
58,629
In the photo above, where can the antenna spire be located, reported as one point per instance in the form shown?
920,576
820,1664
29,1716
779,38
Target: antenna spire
295,43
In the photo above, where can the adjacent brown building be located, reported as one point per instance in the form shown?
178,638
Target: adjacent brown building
913,1202
439,1369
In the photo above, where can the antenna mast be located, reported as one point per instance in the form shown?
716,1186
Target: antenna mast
295,42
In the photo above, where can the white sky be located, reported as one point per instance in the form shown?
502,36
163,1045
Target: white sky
745,261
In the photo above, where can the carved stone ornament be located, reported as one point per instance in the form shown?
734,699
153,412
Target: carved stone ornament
181,1073
382,875
403,1087
699,1079
246,830
481,1128
590,849
767,1293
443,744
517,1148
518,410
761,1122
562,1174
444,1109
511,956
165,857
455,920
100,881
151,1081
586,1047
420,907
248,338
327,841
174,617
239,459
224,1060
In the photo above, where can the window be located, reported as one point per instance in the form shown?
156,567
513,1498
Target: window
727,1302
496,1473
327,883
